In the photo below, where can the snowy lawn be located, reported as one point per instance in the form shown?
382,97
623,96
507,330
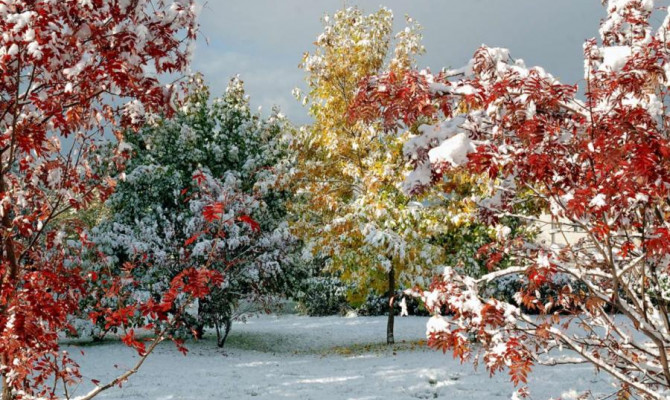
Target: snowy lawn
295,357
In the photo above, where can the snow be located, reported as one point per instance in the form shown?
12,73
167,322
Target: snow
647,5
502,232
34,49
615,57
13,50
295,357
454,150
465,90
437,323
420,176
598,201
20,20
54,177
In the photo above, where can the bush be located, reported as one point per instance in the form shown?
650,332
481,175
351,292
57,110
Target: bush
378,305
507,287
321,295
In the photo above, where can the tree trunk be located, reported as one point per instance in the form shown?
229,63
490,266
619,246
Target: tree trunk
9,279
199,329
227,325
6,390
389,325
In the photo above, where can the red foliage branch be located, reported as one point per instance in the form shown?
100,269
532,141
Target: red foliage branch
70,71
600,166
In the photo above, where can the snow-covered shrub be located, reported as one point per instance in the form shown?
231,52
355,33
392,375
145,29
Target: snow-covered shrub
321,295
506,288
375,304
208,184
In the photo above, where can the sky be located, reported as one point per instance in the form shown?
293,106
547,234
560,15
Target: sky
263,40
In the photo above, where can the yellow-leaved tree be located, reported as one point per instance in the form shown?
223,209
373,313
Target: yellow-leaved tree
351,209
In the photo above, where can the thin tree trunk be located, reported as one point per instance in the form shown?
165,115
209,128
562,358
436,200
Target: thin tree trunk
389,325
12,272
6,390
199,330
8,279
221,340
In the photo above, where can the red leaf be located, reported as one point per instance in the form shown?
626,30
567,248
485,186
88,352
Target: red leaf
130,341
255,226
212,212
192,239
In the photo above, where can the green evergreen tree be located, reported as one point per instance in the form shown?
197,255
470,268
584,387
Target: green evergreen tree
218,159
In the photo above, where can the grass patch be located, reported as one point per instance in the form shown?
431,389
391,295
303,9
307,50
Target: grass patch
376,348
262,342
272,343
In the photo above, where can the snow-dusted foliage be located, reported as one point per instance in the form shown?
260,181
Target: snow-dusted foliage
352,210
213,164
600,169
69,71
321,295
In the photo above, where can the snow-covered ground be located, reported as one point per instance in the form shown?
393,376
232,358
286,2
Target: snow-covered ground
295,357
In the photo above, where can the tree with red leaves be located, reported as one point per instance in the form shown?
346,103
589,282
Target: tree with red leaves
70,72
600,170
